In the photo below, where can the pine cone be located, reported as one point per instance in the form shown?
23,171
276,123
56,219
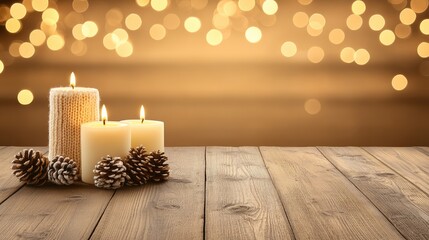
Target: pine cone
109,173
62,170
137,167
31,167
159,170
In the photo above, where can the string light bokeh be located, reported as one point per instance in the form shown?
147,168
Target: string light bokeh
362,34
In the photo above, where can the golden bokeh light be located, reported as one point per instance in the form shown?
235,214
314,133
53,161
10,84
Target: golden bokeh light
407,16
171,21
315,54
18,11
114,17
55,42
288,49
220,21
361,56
230,8
214,37
317,21
159,5
347,55
48,29
270,7
376,22
50,16
26,50
14,48
354,22
253,34
192,24
120,35
387,37
1,66
336,36
142,3
110,41
305,2
314,32
40,5
157,32
424,27
4,13
80,6
124,49
89,29
78,48
77,32
13,25
73,18
402,31
300,19
312,106
133,21
423,50
419,6
246,5
25,97
399,82
358,7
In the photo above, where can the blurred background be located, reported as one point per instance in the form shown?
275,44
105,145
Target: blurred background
228,72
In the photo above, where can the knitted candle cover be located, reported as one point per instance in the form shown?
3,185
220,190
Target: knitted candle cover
68,109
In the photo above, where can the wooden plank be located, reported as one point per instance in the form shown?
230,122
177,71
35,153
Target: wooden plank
169,210
9,184
409,162
320,202
53,212
241,201
406,206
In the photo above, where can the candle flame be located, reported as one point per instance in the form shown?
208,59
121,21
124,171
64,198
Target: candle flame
72,80
104,114
142,115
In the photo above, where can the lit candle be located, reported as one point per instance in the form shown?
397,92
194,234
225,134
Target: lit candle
102,138
149,133
69,107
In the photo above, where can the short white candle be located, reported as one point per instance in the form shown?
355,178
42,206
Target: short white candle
100,139
148,133
69,107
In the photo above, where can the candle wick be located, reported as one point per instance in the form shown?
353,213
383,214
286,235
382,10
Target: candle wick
104,121
142,120
72,86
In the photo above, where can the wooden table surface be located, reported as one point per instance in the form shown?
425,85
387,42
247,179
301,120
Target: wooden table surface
236,193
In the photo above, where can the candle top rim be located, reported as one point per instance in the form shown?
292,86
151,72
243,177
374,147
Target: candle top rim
75,89
109,124
139,121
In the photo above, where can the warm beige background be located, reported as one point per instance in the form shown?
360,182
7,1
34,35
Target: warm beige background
237,93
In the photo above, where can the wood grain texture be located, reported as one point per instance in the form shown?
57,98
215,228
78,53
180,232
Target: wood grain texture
406,206
8,182
52,212
169,210
241,201
320,202
409,162
425,150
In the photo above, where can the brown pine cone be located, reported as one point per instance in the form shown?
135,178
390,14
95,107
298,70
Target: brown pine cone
159,170
137,167
109,173
62,170
31,167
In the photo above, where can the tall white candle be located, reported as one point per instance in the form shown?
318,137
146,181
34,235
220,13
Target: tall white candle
149,133
100,139
69,107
